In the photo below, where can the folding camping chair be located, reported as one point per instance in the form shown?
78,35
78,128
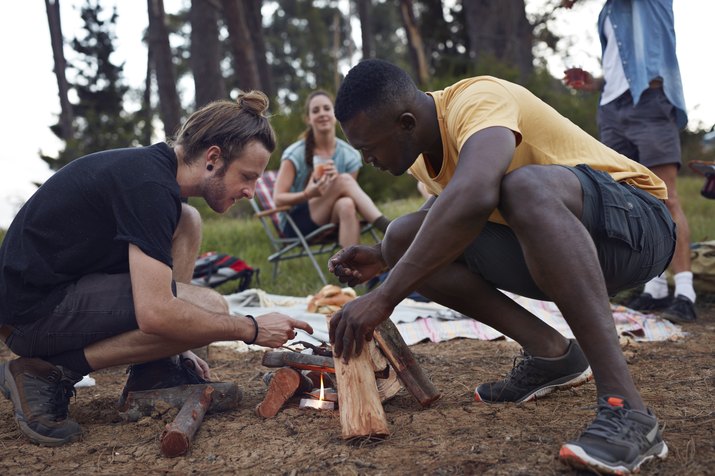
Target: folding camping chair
318,242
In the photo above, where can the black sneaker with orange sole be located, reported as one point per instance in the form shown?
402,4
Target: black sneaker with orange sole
618,441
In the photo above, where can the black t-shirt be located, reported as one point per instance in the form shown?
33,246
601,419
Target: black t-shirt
82,220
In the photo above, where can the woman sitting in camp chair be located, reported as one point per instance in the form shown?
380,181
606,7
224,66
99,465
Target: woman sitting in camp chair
318,179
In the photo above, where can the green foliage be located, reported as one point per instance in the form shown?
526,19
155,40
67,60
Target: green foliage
245,238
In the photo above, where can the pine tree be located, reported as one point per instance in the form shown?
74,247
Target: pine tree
101,121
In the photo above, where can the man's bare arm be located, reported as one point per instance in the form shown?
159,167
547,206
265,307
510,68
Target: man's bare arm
457,216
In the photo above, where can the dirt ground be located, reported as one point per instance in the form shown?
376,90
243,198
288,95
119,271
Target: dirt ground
454,436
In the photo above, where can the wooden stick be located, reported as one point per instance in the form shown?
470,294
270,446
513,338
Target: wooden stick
226,396
361,412
285,383
177,436
298,361
395,349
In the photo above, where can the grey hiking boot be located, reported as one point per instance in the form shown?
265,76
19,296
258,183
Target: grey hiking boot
156,374
533,377
40,393
618,441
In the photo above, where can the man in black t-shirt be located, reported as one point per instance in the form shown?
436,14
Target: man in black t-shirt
95,266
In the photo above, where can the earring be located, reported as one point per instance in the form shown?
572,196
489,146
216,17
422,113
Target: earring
210,167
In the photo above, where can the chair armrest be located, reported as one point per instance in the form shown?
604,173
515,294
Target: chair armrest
272,211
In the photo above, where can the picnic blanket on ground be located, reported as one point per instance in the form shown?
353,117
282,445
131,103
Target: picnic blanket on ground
418,321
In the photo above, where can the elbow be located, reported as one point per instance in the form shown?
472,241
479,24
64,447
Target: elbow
149,321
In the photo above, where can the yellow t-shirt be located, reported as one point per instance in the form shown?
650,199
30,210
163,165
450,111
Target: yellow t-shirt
543,135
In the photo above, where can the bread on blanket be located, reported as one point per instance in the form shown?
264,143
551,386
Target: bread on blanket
330,299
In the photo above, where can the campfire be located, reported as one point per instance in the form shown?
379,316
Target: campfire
311,378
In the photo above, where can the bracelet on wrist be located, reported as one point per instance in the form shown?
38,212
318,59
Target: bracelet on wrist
255,326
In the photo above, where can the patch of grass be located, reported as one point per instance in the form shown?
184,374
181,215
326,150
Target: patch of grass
245,238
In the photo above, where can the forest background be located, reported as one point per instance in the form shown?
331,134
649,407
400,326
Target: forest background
209,49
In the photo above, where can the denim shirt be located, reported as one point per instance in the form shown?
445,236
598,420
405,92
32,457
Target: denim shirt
645,31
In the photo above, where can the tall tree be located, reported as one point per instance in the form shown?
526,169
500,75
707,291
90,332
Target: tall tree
364,8
414,42
206,52
244,53
254,22
65,128
100,119
169,103
501,31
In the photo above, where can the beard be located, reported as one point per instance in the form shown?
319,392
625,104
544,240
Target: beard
214,194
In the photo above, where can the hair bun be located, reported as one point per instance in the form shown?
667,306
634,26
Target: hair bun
254,101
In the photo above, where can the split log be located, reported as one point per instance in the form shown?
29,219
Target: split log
361,412
284,383
177,436
226,396
298,361
395,349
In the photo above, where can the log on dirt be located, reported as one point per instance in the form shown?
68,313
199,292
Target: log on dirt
395,349
177,436
226,396
284,383
297,360
361,412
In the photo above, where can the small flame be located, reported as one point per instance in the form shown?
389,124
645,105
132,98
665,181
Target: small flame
322,388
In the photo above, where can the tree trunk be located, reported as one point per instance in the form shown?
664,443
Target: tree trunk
169,103
254,20
414,42
244,57
364,8
66,115
500,30
209,84
147,112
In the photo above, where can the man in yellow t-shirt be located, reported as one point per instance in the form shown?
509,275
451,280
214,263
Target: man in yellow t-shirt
524,201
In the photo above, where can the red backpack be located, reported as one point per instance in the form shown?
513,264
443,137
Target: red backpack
213,269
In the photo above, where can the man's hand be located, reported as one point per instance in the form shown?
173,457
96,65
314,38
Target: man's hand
356,264
200,365
354,324
581,80
275,329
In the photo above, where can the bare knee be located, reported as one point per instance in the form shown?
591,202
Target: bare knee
399,236
205,298
189,227
345,210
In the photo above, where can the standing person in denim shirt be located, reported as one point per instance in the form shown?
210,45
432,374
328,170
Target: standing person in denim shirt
641,112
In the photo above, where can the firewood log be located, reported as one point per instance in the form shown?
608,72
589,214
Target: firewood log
361,412
411,375
226,396
177,436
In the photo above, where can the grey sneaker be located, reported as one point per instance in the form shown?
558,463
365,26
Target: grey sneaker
533,377
40,393
618,441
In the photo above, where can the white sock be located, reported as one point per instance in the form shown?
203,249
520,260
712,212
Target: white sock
684,285
657,287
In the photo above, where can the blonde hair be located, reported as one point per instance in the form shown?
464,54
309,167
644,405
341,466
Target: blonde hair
231,125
